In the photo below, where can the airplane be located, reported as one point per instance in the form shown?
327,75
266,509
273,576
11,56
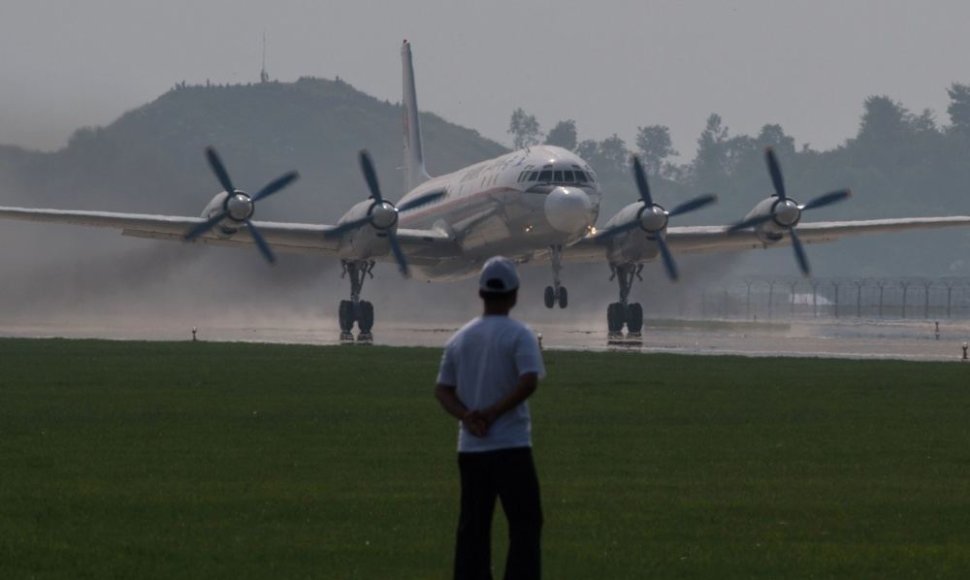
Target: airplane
535,205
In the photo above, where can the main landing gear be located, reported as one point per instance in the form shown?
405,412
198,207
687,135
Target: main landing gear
623,313
557,292
356,310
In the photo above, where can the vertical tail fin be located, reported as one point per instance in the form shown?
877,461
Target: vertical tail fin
413,150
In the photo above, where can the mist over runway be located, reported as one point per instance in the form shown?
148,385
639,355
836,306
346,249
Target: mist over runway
898,340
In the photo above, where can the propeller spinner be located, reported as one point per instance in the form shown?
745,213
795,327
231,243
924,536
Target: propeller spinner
238,206
653,218
786,212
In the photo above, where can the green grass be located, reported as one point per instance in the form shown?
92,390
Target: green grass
207,460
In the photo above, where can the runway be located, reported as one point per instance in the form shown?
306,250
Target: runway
856,339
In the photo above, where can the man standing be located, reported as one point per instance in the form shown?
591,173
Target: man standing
488,370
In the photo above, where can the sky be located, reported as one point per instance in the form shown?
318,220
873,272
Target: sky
609,65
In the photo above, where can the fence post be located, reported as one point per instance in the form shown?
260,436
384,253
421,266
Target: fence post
926,298
791,298
905,285
747,303
814,298
835,284
771,297
858,298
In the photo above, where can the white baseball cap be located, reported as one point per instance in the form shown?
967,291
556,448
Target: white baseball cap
498,276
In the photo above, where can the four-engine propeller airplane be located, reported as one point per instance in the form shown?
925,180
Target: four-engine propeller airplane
537,204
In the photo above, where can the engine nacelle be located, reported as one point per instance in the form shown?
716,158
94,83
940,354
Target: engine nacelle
369,239
237,206
636,245
782,213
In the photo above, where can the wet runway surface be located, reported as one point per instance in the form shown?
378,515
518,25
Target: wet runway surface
906,340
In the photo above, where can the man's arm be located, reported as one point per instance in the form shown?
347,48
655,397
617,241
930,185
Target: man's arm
447,395
528,383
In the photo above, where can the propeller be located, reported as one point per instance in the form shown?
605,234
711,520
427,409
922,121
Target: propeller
382,214
653,218
786,212
239,206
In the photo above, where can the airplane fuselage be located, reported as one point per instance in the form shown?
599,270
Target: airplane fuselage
517,205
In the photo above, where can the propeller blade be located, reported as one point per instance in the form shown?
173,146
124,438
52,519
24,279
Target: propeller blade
799,252
339,230
367,166
775,169
748,223
402,262
219,169
826,199
260,242
641,179
276,185
205,226
419,201
694,204
669,263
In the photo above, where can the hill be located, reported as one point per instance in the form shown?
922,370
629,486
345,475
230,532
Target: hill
151,158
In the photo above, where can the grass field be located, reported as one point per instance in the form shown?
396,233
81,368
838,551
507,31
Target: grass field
170,460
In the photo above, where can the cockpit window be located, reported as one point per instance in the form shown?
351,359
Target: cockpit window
545,175
534,176
557,176
568,176
580,177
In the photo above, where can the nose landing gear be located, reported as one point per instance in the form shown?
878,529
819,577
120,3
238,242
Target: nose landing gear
557,292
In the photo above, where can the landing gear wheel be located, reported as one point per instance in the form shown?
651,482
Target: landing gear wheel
550,297
365,317
346,315
563,297
615,318
634,319
365,338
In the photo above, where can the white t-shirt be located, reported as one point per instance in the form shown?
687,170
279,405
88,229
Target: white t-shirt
484,361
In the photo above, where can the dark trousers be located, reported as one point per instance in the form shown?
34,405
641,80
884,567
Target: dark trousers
509,475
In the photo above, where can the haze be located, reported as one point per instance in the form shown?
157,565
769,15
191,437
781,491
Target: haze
611,66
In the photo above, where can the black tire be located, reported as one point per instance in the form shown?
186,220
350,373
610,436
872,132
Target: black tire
634,318
550,297
346,315
563,297
365,316
614,317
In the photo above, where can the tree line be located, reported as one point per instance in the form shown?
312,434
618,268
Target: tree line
898,161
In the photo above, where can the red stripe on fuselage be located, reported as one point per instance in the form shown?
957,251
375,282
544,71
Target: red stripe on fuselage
444,207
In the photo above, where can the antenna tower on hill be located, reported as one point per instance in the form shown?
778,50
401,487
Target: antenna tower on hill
263,75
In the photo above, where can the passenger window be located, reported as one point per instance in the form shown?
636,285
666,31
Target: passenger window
568,176
545,175
557,176
580,177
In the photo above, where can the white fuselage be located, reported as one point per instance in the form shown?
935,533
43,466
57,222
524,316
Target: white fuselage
517,205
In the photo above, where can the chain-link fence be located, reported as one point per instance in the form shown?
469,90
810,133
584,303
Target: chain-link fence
871,298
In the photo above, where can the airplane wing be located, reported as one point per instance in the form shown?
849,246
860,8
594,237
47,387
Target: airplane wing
282,236
709,239
713,239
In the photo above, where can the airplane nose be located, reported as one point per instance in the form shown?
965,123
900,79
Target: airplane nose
569,210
